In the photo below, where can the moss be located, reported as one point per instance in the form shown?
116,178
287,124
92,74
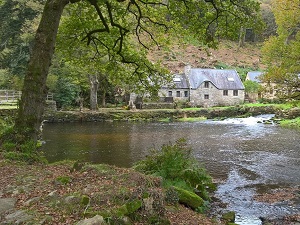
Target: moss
189,198
129,208
85,200
63,180
229,216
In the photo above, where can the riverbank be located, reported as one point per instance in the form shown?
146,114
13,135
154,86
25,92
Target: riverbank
62,194
157,114
282,111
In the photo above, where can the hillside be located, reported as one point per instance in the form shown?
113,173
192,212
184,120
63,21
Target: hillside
228,55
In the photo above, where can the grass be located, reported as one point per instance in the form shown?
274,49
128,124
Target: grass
191,119
294,123
4,106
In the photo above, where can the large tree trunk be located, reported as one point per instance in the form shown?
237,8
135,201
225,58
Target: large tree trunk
242,37
94,84
32,102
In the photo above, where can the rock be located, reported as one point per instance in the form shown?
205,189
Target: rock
148,204
229,217
96,220
32,201
18,217
7,204
189,198
72,199
53,194
129,208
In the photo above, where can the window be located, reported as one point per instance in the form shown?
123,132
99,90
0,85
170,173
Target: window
177,93
170,94
176,79
225,92
186,94
206,96
206,84
235,93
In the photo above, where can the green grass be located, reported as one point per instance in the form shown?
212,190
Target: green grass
295,123
8,106
191,119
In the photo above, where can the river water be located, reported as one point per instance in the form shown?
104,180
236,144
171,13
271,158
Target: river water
249,157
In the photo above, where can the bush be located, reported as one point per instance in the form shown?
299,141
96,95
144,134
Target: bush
178,167
15,147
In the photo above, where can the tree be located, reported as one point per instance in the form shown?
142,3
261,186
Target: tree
148,20
18,19
281,52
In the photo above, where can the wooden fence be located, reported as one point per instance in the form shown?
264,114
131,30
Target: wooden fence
11,96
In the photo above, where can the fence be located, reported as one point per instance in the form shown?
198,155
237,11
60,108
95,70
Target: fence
11,96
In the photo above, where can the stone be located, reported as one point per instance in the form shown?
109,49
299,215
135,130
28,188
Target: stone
96,220
229,216
148,204
18,217
7,204
32,201
189,198
72,199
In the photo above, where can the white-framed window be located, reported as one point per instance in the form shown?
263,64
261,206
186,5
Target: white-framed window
206,96
225,92
177,93
170,94
235,92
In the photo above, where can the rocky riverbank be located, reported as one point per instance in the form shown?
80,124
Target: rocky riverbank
68,194
112,114
84,194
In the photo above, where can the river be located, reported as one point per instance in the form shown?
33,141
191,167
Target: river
248,157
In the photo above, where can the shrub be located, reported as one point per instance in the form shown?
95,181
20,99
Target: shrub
178,167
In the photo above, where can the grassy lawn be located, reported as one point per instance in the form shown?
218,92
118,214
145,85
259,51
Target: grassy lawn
3,106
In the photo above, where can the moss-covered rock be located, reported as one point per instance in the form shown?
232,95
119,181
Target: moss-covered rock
189,198
229,217
129,208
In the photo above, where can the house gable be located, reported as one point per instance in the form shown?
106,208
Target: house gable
221,79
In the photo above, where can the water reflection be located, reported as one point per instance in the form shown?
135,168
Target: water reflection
245,154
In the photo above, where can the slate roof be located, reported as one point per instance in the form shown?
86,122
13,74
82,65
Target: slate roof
253,76
179,82
222,79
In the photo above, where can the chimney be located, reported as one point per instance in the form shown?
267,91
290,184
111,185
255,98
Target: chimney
187,69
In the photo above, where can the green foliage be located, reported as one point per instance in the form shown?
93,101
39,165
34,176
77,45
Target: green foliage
13,147
252,86
293,123
18,22
281,52
63,180
176,165
67,93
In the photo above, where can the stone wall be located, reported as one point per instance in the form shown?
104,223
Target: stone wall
215,97
182,97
